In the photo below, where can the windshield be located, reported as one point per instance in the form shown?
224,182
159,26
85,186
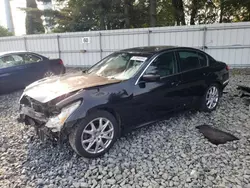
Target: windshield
121,66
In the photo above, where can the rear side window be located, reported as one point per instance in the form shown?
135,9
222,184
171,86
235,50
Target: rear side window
202,59
30,58
212,61
190,60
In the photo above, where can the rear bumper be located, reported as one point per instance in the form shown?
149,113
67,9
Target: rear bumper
63,70
58,69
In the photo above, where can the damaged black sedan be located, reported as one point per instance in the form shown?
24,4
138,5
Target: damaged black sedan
125,90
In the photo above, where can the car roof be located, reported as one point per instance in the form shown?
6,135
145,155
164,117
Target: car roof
16,52
153,49
147,49
20,52
11,52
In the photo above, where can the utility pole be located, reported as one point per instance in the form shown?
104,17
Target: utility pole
8,14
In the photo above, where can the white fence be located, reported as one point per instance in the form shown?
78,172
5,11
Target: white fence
226,42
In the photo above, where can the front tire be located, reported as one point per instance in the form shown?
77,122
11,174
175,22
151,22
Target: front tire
94,135
210,99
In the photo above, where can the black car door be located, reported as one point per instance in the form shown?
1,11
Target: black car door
154,98
194,68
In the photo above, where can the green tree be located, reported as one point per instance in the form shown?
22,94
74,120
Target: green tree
139,16
152,12
179,14
201,12
85,15
165,13
127,9
33,20
211,11
4,32
234,11
77,16
49,15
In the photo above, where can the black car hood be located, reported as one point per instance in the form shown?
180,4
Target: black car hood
50,88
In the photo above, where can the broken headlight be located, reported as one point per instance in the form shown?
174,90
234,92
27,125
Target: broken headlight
55,123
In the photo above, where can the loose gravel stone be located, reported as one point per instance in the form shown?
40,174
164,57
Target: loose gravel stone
165,176
111,181
170,153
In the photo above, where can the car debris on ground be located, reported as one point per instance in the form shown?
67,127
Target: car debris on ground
244,92
216,136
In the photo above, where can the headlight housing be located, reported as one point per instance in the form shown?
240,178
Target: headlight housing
56,123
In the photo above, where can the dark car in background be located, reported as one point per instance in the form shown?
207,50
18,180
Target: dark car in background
19,69
127,89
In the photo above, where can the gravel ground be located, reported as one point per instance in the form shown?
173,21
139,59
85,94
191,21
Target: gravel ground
171,153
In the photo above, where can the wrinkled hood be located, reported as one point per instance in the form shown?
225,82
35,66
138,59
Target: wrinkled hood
50,88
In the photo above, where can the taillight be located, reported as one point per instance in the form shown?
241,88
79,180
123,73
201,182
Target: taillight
61,62
227,67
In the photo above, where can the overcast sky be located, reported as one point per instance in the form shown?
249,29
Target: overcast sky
18,15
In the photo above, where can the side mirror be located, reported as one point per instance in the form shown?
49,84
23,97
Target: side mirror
151,77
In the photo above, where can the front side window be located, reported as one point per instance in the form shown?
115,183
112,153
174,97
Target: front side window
10,60
18,59
190,60
164,65
119,66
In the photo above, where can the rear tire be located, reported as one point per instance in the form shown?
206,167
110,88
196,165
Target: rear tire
210,99
49,73
94,135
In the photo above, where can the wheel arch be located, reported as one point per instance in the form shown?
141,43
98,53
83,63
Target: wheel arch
217,82
111,111
75,136
203,105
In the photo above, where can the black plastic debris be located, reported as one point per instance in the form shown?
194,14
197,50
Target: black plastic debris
216,136
244,90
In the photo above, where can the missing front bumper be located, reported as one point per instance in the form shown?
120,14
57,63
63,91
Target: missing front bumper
41,130
33,119
27,111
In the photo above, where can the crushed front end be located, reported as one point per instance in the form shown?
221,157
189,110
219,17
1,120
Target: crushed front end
47,119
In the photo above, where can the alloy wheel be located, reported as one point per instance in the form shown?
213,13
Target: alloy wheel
212,97
49,74
97,135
